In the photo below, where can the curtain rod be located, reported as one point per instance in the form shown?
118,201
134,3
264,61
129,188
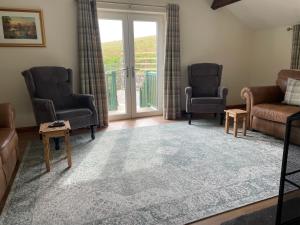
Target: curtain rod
131,4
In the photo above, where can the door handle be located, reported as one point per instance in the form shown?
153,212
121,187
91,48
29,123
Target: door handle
133,71
126,70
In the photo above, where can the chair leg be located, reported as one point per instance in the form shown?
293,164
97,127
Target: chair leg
92,132
222,115
190,115
56,142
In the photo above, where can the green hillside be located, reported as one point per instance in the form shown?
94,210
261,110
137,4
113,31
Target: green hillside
145,51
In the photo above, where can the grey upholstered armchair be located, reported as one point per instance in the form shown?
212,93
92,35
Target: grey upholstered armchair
204,94
52,97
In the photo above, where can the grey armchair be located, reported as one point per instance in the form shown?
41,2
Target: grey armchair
204,94
50,89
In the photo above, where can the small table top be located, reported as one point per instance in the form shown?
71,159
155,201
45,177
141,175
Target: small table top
45,129
236,111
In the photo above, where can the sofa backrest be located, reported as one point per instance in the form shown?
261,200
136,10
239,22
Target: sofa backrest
205,79
53,83
283,77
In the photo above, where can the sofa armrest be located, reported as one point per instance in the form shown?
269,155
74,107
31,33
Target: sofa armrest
258,95
188,94
7,116
44,110
265,94
223,92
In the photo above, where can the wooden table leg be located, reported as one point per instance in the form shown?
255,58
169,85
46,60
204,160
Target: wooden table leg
244,125
227,123
235,125
68,149
46,152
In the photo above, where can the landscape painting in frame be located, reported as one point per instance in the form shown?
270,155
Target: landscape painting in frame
21,28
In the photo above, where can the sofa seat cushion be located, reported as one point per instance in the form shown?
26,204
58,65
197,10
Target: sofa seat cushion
274,112
207,100
73,113
6,135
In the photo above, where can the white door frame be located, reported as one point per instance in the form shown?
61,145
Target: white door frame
128,18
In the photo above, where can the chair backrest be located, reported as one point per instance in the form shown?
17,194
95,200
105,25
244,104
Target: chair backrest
53,83
205,78
283,76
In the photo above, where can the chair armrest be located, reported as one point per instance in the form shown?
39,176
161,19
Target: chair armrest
83,100
223,92
7,116
258,95
188,91
87,101
188,94
44,110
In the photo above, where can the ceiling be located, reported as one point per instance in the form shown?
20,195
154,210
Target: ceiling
261,14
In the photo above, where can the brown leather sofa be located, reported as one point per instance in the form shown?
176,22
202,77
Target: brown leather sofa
267,113
9,153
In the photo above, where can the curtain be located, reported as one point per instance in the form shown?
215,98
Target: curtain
91,69
295,64
172,107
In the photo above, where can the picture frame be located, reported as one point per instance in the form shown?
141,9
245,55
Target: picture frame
22,28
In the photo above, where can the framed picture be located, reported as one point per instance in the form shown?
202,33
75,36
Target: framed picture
21,28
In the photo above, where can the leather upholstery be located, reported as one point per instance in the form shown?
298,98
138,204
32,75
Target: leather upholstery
9,154
276,112
266,111
204,94
51,91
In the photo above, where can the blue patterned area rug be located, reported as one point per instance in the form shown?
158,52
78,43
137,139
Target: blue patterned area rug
164,174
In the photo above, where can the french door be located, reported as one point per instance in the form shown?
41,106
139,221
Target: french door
133,48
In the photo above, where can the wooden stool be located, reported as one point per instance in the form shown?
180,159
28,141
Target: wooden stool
55,132
237,115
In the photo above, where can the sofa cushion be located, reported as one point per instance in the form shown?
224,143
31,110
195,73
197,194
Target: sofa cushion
274,112
207,100
73,113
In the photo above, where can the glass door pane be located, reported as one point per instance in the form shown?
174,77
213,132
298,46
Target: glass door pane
112,42
145,65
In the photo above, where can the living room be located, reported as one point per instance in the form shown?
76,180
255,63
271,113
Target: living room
136,159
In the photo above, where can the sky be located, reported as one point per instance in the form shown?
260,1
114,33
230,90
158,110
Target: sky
111,30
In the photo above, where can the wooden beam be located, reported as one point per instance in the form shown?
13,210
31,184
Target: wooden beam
221,3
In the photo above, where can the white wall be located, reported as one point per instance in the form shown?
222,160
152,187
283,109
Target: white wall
271,52
206,36
61,36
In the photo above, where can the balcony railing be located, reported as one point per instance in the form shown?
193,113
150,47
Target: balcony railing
147,91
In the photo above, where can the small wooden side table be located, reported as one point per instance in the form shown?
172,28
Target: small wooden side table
55,132
237,115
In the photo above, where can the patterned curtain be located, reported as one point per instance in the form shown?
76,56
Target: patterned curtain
92,77
295,64
172,107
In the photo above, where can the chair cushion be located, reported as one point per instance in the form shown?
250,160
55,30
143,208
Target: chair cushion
207,100
72,113
274,112
292,94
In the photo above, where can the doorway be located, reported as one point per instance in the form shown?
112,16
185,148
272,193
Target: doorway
133,56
